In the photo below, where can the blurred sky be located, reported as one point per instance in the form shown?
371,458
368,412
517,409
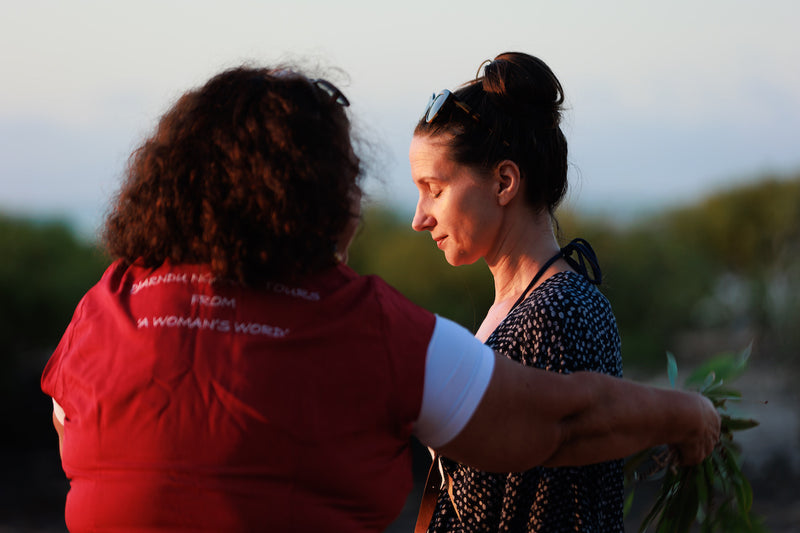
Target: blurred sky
667,101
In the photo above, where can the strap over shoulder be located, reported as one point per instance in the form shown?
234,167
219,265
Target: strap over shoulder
585,258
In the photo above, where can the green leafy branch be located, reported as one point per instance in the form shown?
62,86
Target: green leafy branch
715,493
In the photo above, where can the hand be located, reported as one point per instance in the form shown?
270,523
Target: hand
700,446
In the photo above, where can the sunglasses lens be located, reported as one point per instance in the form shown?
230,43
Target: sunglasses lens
430,104
435,105
331,90
339,98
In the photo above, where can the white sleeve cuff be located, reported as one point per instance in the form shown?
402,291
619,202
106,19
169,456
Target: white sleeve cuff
59,412
457,373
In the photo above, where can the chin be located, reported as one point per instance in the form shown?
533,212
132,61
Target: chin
459,260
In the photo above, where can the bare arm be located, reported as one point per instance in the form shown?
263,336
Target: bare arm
529,417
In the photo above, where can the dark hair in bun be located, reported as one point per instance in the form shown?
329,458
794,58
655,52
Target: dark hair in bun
519,102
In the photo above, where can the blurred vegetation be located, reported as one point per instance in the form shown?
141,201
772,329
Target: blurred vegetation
724,271
694,280
44,271
728,265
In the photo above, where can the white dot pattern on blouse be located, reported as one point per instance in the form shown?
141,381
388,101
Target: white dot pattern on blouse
564,325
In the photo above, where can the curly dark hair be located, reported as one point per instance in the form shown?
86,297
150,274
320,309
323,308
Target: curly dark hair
253,174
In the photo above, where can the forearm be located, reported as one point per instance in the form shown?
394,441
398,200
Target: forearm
612,418
529,417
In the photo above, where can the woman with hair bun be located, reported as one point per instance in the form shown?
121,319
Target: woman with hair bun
230,372
490,163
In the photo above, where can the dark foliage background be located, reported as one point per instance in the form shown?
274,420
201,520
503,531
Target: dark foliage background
695,280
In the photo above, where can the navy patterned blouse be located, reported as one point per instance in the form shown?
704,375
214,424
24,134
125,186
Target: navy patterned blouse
564,325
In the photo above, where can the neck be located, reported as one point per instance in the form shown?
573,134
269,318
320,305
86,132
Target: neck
524,247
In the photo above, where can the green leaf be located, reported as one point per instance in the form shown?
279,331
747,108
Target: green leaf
654,511
633,462
707,475
721,469
738,424
672,369
741,487
703,489
681,511
688,511
626,508
667,490
723,393
744,355
731,449
713,384
747,492
727,367
710,378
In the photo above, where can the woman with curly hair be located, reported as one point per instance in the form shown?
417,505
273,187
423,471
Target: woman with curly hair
229,372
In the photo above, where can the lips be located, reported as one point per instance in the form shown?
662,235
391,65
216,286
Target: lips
439,241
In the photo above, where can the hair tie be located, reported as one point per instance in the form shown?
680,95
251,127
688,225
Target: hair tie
485,63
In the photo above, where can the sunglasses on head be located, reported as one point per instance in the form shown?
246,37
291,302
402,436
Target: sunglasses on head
323,85
447,98
331,90
437,102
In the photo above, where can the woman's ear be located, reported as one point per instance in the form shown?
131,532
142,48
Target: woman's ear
508,181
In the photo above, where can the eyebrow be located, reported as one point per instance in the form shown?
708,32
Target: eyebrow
427,182
438,179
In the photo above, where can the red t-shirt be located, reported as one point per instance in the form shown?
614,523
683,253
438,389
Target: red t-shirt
199,404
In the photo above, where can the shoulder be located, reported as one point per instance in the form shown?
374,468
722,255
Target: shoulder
567,291
400,321
81,326
391,300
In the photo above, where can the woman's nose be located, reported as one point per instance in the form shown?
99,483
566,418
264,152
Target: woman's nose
422,221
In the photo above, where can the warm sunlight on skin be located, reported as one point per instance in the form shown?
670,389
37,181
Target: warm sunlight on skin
456,205
473,215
